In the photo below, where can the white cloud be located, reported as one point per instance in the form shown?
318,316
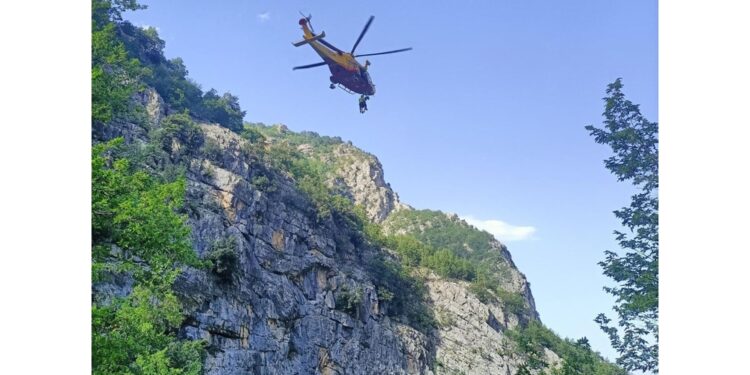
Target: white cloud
263,17
145,26
502,230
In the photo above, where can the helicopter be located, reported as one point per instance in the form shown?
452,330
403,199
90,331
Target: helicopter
346,72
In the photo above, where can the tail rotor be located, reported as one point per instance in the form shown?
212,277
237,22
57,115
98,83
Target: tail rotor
308,18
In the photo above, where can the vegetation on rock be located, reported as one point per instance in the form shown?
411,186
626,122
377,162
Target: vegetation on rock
577,356
224,259
454,250
137,233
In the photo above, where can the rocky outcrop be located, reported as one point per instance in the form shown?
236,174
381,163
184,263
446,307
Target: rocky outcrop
512,280
471,336
278,315
154,104
360,175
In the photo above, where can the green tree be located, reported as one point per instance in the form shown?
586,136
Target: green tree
577,356
114,75
634,143
106,11
224,110
137,233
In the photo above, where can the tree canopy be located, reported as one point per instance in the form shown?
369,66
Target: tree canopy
635,270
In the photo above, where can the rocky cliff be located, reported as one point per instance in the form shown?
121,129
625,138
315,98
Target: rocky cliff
283,310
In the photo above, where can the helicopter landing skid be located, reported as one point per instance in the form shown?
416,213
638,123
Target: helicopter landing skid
344,88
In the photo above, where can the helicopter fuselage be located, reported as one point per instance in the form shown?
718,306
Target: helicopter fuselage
345,70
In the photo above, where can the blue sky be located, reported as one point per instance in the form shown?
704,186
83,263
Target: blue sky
483,118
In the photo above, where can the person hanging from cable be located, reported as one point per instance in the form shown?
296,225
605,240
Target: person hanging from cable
363,103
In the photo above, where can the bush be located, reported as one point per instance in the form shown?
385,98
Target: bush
440,242
384,294
447,264
349,301
252,134
138,214
179,134
261,183
513,302
282,156
577,356
409,299
482,291
446,319
212,150
224,110
224,259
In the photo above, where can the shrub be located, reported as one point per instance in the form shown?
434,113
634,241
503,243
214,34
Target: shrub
445,319
482,292
349,301
447,264
178,134
513,302
224,110
282,156
261,183
137,213
410,297
252,134
577,356
384,294
224,259
212,150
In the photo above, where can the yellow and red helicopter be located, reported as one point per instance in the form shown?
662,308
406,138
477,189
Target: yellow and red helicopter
346,72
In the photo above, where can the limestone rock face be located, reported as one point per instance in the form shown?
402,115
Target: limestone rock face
471,339
280,313
360,175
155,107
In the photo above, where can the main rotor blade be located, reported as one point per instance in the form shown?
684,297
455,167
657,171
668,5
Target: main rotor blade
385,53
362,34
309,66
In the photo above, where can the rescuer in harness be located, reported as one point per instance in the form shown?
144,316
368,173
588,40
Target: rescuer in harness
363,98
363,103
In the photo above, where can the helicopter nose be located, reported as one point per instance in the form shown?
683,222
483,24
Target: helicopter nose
302,21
